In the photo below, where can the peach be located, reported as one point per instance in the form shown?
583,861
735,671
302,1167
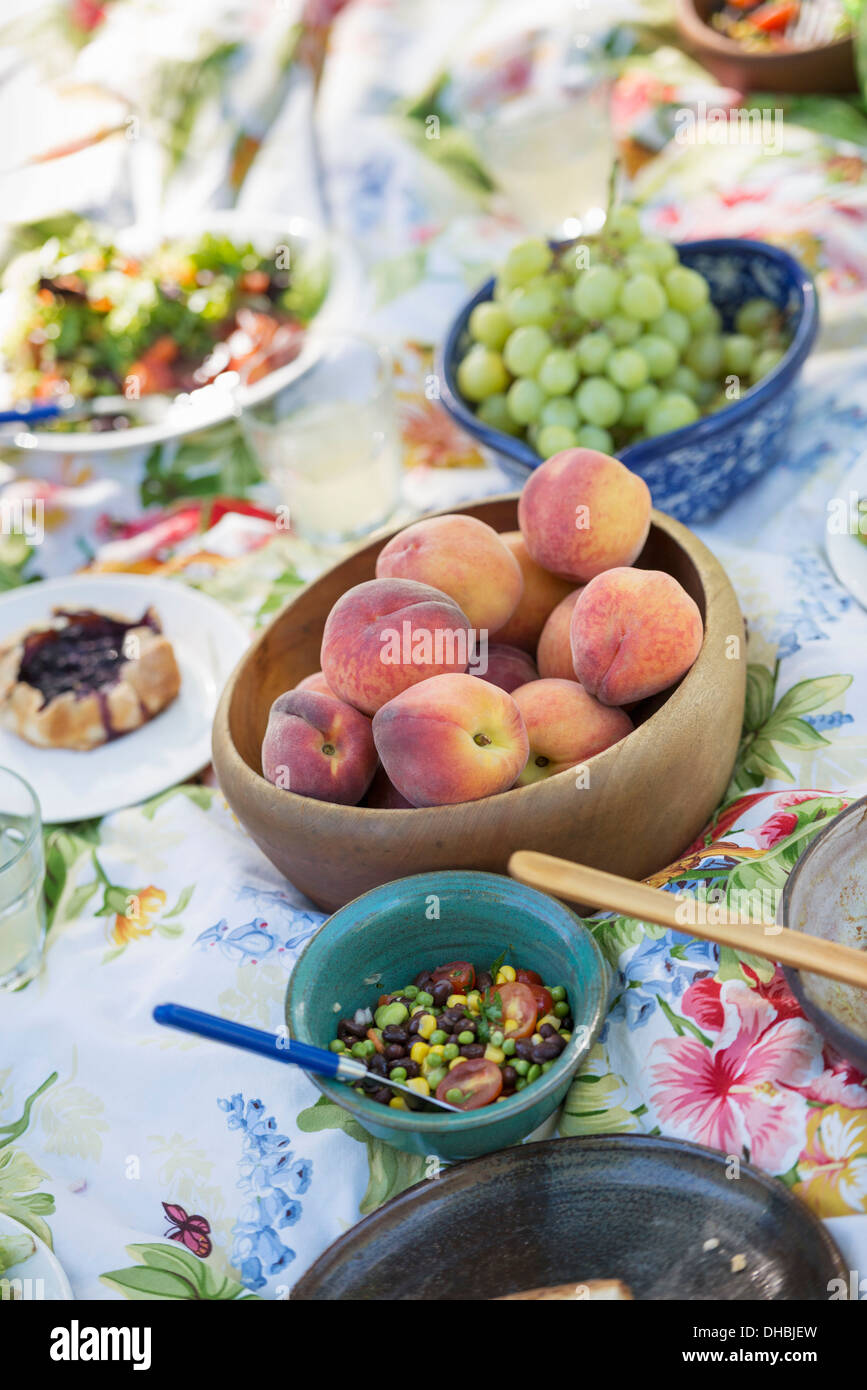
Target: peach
315,682
318,746
554,654
451,739
634,633
507,667
385,635
383,795
565,726
582,512
463,557
542,593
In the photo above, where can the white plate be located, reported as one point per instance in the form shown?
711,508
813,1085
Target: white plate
43,1269
846,553
208,642
210,407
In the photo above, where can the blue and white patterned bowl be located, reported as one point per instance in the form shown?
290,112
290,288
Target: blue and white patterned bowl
695,471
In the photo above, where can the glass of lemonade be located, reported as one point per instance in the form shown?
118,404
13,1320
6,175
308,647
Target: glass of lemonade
22,871
329,442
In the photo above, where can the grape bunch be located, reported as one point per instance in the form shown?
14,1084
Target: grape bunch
605,354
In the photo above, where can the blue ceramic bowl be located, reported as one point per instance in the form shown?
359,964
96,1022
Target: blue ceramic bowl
695,471
397,930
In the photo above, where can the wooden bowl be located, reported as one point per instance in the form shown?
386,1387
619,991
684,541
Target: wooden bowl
647,798
829,68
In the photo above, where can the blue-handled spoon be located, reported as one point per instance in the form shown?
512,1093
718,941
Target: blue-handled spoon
337,1065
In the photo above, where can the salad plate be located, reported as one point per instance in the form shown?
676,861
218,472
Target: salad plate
38,1276
208,641
317,299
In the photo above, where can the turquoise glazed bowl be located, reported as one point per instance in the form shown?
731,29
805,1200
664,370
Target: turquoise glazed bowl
417,923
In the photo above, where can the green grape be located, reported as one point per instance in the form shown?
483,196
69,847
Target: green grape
525,399
661,254
621,330
526,305
525,348
599,402
765,362
596,292
627,369
494,411
559,411
671,412
593,437
705,356
686,289
738,349
705,319
593,351
675,327
643,298
490,324
755,315
553,439
638,404
558,372
623,228
481,373
501,291
526,260
659,353
638,262
684,380
706,392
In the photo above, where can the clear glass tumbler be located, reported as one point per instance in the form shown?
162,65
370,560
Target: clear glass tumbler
22,872
328,442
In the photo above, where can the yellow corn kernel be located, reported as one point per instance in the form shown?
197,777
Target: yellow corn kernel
509,1025
549,1018
427,1026
418,1083
537,1038
505,975
494,1054
419,1051
454,999
397,1103
437,1047
474,999
456,1062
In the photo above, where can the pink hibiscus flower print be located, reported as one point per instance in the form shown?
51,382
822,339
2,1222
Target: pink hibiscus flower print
736,1096
775,829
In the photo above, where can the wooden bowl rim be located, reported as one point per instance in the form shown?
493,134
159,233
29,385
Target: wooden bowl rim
277,799
702,35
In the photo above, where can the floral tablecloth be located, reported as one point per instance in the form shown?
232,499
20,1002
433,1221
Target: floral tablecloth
163,1167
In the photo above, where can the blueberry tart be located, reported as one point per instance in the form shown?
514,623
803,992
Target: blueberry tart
86,677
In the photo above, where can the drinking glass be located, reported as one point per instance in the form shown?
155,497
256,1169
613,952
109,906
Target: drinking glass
22,871
328,441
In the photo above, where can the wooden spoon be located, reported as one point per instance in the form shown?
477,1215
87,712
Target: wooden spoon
683,913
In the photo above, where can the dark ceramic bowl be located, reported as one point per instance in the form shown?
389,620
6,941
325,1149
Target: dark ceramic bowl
826,896
695,471
397,930
828,67
663,1216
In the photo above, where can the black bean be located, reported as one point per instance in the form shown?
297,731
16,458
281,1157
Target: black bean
377,1063
465,1024
523,1048
422,980
414,1023
412,1068
440,992
384,1095
370,1084
546,1051
393,1033
510,1077
450,1017
355,1030
472,1050
547,1030
484,980
567,1024
394,1051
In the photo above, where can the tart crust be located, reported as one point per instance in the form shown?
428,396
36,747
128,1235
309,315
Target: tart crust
144,683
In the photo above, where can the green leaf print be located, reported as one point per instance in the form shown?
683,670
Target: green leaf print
8,1133
200,796
595,1105
765,725
391,1170
169,1272
65,851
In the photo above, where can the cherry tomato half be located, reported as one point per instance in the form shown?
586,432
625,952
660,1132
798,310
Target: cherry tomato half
458,973
544,1002
480,1081
528,977
520,1009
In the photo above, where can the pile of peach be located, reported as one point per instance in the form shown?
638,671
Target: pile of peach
404,710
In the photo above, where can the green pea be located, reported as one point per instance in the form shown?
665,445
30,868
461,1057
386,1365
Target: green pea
546,1066
521,1067
561,1009
390,1014
534,1073
423,997
455,1095
398,1073
558,993
434,1078
438,1036
362,1049
336,1045
508,1045
466,1037
451,1051
520,1083
411,992
497,1038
